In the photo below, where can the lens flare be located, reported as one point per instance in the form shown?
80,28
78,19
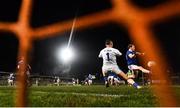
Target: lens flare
66,55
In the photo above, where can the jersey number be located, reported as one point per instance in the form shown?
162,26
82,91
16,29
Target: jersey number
108,57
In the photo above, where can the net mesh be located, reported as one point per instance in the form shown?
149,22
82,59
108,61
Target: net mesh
136,20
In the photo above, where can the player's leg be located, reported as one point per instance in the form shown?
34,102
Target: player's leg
116,81
130,81
105,78
90,82
135,67
111,80
143,69
105,75
11,82
8,82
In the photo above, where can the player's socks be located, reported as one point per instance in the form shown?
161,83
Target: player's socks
136,85
106,81
105,78
133,83
107,84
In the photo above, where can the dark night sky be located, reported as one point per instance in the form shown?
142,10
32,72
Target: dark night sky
87,42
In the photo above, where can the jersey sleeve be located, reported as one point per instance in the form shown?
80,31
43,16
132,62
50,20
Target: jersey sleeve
118,53
131,54
100,54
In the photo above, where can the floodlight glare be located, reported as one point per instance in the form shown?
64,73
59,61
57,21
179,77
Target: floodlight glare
66,55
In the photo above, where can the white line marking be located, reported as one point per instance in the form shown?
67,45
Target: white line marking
87,94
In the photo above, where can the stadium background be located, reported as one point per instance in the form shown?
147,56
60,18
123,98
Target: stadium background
87,42
143,20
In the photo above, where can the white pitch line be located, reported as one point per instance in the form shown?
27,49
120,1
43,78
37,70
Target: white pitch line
101,95
87,94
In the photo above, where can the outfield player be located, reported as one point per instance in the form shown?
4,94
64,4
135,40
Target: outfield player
132,60
11,79
109,63
90,79
110,77
114,79
27,69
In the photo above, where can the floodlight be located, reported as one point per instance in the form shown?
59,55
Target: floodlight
66,54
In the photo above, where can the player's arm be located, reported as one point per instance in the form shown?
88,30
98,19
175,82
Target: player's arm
100,55
131,55
118,53
139,53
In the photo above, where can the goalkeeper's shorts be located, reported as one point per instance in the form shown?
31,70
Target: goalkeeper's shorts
113,68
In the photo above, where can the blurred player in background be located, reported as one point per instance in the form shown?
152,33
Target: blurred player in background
114,79
11,79
118,81
27,69
73,81
110,77
109,63
90,79
131,57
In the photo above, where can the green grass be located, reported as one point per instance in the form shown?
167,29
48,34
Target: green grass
82,96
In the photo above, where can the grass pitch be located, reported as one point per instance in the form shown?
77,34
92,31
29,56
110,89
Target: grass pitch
84,96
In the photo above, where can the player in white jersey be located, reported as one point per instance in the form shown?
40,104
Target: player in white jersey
109,63
11,79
